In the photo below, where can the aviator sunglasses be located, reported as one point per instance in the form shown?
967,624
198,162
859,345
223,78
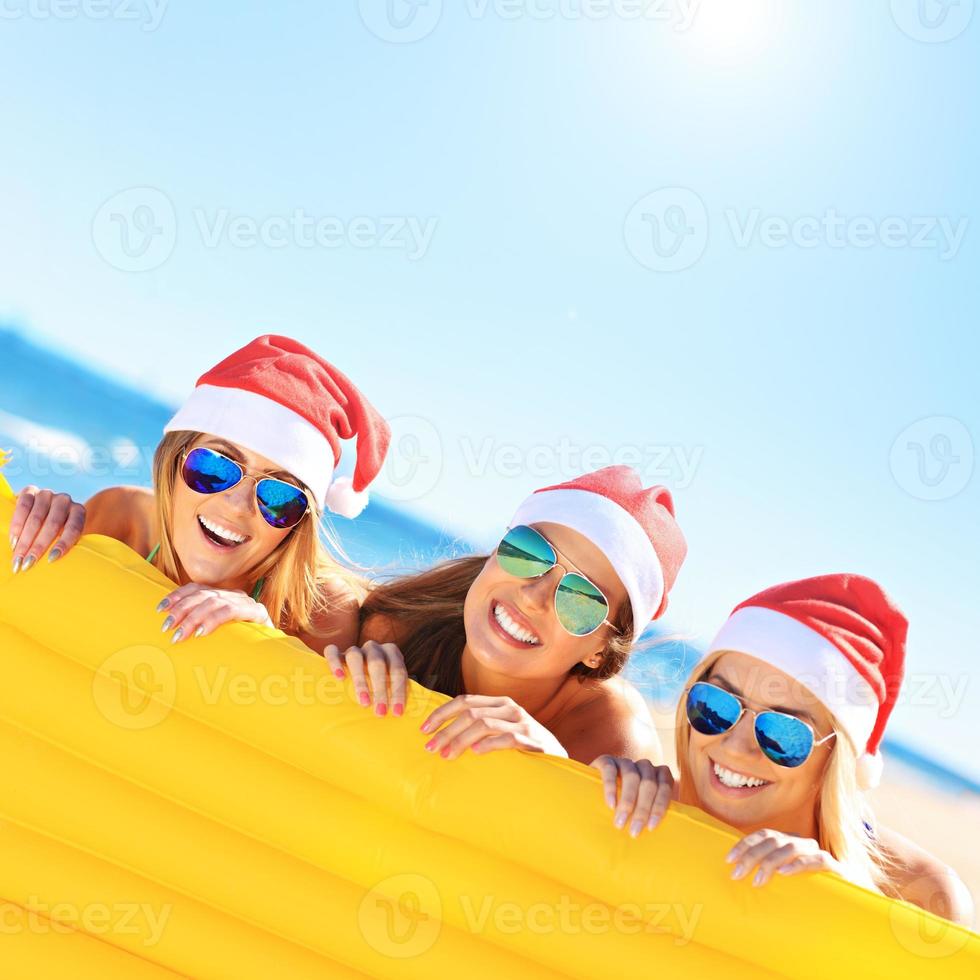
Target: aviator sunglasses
208,471
783,739
579,604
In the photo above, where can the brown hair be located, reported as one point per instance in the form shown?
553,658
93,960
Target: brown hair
293,572
426,610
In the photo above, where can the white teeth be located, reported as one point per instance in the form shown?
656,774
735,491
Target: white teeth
509,626
736,779
230,536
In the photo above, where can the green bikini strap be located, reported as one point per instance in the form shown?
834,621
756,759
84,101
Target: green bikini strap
256,592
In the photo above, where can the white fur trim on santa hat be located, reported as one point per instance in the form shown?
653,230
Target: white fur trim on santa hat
263,426
616,533
810,658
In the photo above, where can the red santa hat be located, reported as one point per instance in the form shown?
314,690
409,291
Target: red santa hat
632,526
280,399
843,638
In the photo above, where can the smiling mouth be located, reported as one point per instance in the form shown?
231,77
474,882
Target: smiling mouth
220,536
733,780
512,628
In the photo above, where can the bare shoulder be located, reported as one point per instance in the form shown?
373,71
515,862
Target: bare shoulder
922,879
609,718
125,513
380,628
338,622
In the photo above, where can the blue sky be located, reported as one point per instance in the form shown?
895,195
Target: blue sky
732,242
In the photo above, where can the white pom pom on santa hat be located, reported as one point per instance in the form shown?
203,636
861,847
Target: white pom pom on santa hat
344,500
869,768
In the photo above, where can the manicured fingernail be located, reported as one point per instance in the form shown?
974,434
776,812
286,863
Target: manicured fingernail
730,856
759,878
430,745
654,820
54,555
16,565
739,871
364,698
339,673
178,634
167,623
620,820
381,708
444,752
398,710
163,605
28,561
425,726
635,827
13,541
199,631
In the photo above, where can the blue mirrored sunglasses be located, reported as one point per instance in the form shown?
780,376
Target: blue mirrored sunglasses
784,739
208,471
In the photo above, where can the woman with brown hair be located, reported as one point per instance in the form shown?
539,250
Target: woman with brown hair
240,480
529,642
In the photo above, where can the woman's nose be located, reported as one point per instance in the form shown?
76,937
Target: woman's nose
537,592
740,738
242,496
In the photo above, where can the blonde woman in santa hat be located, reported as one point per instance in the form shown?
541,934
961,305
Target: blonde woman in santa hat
529,641
240,481
778,733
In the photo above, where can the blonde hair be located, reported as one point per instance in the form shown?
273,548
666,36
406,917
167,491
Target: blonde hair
843,815
295,569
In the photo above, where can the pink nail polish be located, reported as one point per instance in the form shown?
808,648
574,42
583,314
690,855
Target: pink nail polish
425,726
365,698
431,744
381,709
398,710
339,673
445,752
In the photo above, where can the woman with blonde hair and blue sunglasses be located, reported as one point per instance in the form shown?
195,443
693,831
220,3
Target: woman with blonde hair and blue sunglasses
240,481
528,641
778,734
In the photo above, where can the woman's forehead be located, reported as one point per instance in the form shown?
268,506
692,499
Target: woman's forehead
587,557
240,453
765,684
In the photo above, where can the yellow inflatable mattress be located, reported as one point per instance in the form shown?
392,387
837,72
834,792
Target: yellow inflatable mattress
222,809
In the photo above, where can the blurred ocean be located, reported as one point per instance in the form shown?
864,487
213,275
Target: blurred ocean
74,430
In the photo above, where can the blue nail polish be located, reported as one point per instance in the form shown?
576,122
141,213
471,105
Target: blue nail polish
178,634
757,880
28,561
167,623
163,605
54,555
16,565
199,631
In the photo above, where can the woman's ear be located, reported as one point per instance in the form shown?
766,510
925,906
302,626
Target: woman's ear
593,660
